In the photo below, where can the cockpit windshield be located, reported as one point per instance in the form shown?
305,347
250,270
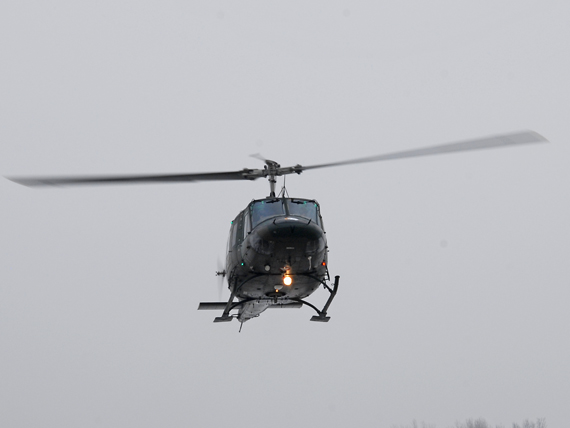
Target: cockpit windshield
303,208
266,208
260,210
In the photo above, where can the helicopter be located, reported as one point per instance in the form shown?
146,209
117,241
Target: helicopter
277,247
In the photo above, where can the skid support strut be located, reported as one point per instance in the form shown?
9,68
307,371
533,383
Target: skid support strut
226,317
322,314
322,317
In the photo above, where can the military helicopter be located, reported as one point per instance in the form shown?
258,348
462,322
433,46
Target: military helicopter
277,247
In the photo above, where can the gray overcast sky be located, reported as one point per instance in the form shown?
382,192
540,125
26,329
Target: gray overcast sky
454,269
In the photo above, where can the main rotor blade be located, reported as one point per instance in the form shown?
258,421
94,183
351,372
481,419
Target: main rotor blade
517,138
131,179
273,169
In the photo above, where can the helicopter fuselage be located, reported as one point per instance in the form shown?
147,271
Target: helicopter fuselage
277,254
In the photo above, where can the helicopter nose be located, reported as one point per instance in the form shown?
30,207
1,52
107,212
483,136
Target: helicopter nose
292,236
295,227
295,242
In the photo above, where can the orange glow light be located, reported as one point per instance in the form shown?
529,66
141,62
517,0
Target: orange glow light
287,280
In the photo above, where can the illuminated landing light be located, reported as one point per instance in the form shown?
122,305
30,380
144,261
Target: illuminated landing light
287,280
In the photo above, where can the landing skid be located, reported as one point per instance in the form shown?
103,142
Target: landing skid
230,304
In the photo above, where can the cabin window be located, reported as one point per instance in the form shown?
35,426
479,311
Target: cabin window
261,210
304,208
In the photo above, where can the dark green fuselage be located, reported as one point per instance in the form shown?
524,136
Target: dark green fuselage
270,239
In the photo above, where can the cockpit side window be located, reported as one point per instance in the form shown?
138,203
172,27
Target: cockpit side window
232,237
261,210
247,224
239,229
236,232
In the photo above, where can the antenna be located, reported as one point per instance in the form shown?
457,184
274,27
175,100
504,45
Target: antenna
283,189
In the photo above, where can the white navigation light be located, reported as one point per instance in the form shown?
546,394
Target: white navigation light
287,280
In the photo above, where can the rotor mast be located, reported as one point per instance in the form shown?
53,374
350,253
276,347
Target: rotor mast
272,168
